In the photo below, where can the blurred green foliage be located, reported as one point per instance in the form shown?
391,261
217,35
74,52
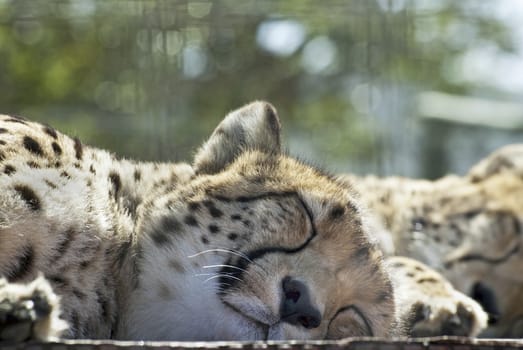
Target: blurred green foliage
150,79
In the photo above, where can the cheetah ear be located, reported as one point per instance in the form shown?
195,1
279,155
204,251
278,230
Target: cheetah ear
255,126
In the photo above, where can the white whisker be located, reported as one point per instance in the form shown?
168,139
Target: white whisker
224,265
258,271
222,275
204,274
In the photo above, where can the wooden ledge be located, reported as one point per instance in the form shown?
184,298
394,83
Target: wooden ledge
440,343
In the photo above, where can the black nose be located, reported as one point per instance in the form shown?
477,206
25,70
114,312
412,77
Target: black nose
296,307
486,297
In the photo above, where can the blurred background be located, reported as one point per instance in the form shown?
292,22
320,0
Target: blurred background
406,87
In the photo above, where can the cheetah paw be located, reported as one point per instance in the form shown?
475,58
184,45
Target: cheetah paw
428,305
426,320
29,312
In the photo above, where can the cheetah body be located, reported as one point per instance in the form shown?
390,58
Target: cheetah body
244,244
68,211
468,228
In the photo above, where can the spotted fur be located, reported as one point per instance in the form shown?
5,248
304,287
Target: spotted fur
467,228
429,305
246,244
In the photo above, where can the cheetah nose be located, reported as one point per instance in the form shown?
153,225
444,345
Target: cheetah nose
296,306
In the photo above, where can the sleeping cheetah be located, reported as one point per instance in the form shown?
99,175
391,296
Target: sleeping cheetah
467,228
245,244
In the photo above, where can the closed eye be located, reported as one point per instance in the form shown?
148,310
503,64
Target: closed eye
481,258
352,318
251,256
258,253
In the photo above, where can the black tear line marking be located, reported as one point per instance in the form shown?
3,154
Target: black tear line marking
359,313
484,259
241,266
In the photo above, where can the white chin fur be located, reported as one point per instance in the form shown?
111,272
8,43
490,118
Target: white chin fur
208,321
183,307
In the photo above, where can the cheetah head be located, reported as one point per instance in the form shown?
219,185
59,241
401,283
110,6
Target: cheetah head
258,246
